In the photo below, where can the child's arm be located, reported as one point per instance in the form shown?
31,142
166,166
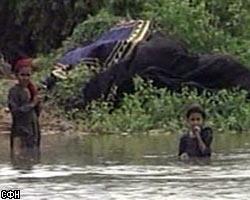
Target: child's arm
38,104
201,143
183,155
204,140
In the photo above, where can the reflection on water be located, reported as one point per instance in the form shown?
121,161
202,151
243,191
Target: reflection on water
127,167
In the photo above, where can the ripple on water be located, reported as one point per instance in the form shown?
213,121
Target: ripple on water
160,176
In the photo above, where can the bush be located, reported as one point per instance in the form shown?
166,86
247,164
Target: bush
150,108
206,26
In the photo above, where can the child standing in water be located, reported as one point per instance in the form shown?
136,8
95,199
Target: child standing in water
24,105
197,140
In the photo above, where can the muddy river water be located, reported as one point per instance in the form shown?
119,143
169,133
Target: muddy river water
127,167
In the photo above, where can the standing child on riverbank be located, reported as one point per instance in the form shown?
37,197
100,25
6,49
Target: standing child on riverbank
24,105
197,140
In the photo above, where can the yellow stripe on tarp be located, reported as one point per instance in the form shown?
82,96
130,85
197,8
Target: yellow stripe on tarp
140,37
113,53
137,35
92,61
119,45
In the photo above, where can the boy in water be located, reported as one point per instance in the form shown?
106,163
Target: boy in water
197,140
24,105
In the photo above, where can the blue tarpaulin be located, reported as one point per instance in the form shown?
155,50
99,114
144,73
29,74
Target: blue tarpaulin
112,46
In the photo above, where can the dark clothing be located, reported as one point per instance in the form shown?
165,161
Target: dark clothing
24,117
190,145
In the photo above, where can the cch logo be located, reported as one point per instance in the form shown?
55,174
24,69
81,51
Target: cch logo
10,194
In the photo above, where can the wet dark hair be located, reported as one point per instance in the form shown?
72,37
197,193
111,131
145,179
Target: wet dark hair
195,108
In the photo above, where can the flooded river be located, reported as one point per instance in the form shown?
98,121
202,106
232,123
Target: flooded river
127,167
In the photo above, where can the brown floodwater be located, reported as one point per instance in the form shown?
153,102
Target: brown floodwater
127,167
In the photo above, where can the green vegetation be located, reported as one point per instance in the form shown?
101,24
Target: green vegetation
204,25
150,109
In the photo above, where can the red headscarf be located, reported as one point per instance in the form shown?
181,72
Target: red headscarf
23,62
26,62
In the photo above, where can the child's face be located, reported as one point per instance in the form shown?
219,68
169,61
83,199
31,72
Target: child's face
195,119
23,76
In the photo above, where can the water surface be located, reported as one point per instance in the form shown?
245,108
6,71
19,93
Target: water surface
127,167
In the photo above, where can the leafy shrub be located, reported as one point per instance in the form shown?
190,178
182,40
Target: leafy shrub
206,26
150,108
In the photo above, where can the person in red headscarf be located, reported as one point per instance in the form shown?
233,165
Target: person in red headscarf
24,105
